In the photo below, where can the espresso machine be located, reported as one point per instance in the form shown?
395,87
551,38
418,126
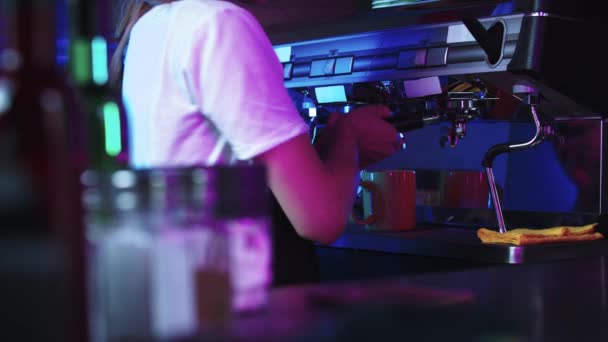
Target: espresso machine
509,89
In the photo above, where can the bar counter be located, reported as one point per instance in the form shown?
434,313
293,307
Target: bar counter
551,301
461,243
361,253
561,300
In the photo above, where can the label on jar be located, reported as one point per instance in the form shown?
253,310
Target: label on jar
250,262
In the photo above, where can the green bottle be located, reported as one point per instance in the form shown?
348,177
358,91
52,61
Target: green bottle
43,291
106,121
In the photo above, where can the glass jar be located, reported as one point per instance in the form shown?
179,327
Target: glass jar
213,240
140,260
176,251
172,277
243,210
118,253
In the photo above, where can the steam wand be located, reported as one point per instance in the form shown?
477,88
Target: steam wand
531,97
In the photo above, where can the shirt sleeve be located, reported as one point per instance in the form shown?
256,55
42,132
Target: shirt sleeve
238,84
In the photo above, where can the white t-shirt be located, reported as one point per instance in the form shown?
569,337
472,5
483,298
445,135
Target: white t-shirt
203,86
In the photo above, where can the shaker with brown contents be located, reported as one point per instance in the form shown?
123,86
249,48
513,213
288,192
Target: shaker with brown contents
213,298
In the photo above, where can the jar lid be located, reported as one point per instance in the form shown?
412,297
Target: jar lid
121,190
221,191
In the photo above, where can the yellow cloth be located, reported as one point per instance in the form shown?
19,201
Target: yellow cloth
525,236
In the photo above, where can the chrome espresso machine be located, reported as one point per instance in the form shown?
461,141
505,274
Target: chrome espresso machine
510,89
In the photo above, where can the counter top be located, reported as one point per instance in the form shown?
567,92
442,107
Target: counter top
552,301
462,243
564,300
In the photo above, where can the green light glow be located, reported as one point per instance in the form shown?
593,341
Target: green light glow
81,70
111,120
99,50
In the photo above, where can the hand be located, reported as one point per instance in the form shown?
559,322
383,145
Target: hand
376,139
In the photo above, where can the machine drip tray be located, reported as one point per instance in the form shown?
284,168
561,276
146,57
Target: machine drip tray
462,243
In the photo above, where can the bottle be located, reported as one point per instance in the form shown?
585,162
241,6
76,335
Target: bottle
242,209
195,243
217,232
208,242
120,252
42,236
106,121
212,248
171,278
134,222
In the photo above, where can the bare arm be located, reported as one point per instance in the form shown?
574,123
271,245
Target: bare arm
317,194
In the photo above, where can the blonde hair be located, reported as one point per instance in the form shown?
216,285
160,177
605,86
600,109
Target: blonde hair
129,12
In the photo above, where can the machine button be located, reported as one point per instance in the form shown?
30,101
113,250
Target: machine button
407,59
437,56
287,70
412,59
322,67
344,65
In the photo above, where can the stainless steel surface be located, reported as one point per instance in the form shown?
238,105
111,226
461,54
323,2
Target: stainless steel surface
496,200
558,182
549,59
422,49
463,243
602,173
372,49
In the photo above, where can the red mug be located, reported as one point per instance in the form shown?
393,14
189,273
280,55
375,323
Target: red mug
389,200
465,189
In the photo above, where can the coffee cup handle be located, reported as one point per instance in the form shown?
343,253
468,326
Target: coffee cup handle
369,186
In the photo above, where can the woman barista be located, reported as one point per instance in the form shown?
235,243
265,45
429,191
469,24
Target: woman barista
204,87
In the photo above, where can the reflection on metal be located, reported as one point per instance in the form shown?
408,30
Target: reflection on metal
536,139
604,285
515,255
497,207
539,14
393,3
6,95
601,201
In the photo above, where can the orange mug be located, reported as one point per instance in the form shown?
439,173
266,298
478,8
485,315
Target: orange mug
465,189
389,200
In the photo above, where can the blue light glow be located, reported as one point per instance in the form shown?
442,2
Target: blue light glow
330,94
99,51
312,112
284,53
